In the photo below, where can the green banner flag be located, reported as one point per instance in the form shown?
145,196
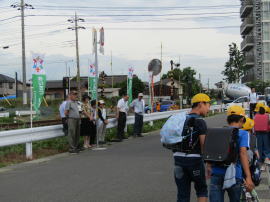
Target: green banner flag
38,81
129,84
92,82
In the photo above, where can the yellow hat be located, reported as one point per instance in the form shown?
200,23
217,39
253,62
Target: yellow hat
249,124
258,106
267,109
200,97
236,110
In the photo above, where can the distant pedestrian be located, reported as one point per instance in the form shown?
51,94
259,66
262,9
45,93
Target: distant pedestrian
261,127
73,116
253,99
93,126
101,122
121,115
86,118
63,116
138,107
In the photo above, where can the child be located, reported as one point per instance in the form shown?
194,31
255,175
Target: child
236,119
253,162
261,129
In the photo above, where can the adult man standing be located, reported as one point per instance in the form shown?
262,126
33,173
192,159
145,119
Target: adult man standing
121,115
189,165
73,117
253,98
138,107
63,116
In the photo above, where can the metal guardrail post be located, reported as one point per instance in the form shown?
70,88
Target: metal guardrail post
29,150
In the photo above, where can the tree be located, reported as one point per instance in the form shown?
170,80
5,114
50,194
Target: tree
259,85
235,68
177,73
137,87
192,85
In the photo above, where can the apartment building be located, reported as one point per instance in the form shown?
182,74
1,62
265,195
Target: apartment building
255,31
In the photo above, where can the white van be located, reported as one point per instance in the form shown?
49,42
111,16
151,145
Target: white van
244,102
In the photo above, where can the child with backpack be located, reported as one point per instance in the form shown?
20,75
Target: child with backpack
253,163
184,134
240,169
262,133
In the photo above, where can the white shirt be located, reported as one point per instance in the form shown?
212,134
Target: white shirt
122,105
253,97
138,106
62,109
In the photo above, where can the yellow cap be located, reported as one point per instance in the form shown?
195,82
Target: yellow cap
249,124
258,106
200,97
236,110
267,109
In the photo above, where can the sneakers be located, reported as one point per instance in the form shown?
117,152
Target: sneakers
263,168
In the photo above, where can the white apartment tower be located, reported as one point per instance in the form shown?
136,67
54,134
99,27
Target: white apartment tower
255,30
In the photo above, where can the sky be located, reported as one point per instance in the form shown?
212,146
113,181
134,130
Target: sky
195,32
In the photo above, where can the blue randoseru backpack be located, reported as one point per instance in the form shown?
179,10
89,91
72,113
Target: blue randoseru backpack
177,133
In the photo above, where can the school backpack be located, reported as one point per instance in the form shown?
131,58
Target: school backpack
178,132
220,147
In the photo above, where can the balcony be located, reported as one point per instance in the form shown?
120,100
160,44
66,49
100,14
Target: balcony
247,43
246,26
246,8
250,60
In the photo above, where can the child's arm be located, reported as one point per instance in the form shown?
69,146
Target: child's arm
245,164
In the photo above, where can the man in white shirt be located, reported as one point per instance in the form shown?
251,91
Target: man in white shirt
253,99
138,107
63,116
121,115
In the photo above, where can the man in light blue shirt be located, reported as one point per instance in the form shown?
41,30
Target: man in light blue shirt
138,107
63,116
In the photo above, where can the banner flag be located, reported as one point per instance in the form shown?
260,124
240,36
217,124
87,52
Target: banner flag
38,81
101,41
129,88
94,39
92,82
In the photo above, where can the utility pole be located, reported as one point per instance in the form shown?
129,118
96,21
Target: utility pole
111,69
21,7
76,27
16,84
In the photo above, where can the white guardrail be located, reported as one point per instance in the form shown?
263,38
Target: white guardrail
29,135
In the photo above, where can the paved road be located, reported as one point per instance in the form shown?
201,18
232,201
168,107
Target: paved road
137,170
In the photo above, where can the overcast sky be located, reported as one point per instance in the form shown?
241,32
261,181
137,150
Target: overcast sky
198,32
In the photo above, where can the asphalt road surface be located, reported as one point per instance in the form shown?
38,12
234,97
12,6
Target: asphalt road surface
136,170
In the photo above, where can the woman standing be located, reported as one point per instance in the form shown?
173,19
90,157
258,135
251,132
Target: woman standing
92,127
102,122
86,119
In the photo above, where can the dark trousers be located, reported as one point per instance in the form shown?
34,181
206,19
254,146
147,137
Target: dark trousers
93,133
121,125
187,170
137,129
263,144
252,107
65,126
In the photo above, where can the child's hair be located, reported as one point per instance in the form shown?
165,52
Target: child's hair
235,118
196,104
261,110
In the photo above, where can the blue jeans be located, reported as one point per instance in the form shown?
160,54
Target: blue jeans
263,144
189,170
217,193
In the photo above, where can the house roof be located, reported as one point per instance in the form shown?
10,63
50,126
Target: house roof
6,79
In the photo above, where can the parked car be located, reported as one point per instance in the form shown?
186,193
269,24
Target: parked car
244,102
166,105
